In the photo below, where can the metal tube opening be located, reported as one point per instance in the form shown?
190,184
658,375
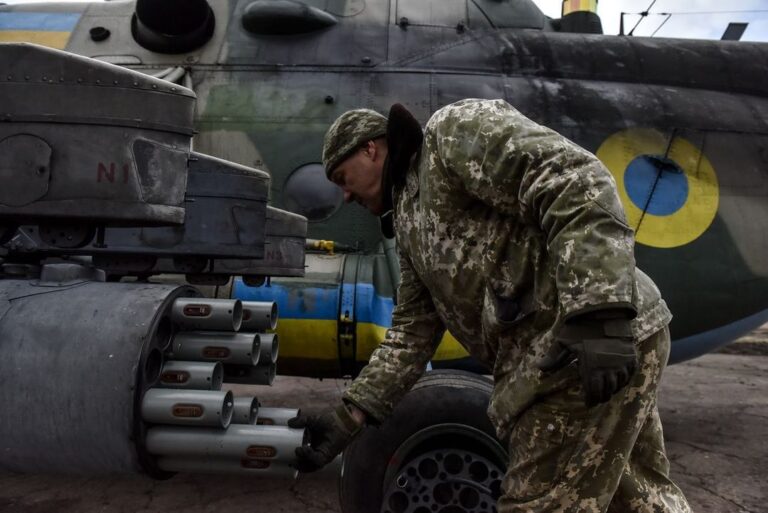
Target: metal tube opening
152,367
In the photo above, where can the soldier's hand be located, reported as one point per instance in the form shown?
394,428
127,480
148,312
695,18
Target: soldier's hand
605,352
328,434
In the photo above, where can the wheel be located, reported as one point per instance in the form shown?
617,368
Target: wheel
437,453
6,233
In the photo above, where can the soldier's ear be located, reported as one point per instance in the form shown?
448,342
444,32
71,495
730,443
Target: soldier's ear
369,148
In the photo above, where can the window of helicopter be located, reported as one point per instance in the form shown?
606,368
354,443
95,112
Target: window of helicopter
308,192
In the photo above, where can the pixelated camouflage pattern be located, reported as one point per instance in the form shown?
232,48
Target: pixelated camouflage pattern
349,131
505,229
569,459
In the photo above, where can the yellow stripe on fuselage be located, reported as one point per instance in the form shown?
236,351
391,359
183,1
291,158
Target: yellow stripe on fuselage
369,336
51,39
317,339
308,338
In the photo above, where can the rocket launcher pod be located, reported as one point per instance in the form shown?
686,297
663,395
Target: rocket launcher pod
262,374
246,410
284,255
160,253
254,467
226,208
94,384
88,143
208,315
277,443
192,375
230,348
187,407
259,315
276,416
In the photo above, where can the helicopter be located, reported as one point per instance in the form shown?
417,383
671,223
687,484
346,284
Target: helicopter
680,124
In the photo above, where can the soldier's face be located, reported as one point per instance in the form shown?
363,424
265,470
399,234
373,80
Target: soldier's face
359,176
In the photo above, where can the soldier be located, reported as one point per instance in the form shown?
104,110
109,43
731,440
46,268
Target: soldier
513,238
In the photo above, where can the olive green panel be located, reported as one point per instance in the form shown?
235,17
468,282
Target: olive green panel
276,121
448,13
359,39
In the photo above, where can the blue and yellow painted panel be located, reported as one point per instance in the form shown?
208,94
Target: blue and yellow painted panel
669,189
51,29
309,315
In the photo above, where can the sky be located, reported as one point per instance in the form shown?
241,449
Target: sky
702,26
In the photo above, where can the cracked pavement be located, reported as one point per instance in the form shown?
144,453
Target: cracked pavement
714,411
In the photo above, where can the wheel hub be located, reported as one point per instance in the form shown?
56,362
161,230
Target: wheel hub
445,481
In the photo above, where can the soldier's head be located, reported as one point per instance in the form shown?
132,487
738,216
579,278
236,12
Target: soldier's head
354,152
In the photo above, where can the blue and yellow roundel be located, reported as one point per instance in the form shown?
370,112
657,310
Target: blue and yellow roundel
670,198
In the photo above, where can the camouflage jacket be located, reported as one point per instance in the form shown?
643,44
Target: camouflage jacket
505,228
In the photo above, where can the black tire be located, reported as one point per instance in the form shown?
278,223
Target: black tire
440,398
6,233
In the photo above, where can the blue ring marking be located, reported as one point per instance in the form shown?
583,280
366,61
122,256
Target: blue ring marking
40,21
671,192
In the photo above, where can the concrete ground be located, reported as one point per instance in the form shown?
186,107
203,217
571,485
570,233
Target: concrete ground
714,409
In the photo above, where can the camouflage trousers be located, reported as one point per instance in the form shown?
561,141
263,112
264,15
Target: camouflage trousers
567,458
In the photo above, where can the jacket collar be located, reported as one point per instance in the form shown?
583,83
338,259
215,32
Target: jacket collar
404,138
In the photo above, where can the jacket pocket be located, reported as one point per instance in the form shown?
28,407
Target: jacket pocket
509,302
541,445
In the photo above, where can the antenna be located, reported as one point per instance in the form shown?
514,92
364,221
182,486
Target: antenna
643,15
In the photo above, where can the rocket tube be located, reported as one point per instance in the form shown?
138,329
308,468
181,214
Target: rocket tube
259,315
187,407
208,314
263,374
231,348
255,467
276,416
273,443
192,375
246,410
268,347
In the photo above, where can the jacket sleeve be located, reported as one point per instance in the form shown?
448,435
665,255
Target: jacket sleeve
401,359
533,174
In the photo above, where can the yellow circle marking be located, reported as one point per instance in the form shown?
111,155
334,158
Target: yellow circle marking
700,208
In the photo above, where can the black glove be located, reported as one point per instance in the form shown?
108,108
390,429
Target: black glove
603,345
328,435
